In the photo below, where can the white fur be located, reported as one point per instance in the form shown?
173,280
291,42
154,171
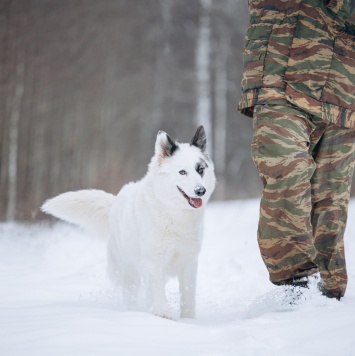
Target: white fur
87,208
153,231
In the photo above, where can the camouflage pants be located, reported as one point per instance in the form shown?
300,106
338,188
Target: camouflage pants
306,166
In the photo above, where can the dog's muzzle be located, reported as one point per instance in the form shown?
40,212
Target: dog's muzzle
194,202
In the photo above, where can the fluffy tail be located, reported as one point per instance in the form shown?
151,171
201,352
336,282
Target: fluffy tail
87,208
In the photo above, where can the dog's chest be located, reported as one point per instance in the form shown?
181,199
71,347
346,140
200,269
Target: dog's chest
175,233
174,242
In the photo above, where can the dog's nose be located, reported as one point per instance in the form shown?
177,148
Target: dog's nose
200,191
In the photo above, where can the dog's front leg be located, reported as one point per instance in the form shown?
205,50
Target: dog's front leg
154,281
187,284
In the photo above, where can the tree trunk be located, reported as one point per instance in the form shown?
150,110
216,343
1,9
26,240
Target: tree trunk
203,110
13,141
220,125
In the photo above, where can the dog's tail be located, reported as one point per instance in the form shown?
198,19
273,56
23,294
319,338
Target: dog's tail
89,209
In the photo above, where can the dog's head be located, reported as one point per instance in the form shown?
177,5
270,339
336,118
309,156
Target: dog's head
184,170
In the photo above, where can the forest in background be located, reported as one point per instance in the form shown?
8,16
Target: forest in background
86,85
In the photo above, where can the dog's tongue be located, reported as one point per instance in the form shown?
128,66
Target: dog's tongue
196,202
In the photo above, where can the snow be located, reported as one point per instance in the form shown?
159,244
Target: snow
55,298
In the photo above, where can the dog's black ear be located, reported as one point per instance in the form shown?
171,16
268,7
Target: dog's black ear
164,145
199,139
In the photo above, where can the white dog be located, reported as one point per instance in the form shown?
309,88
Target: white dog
154,226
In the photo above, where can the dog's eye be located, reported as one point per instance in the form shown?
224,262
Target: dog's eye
200,171
183,173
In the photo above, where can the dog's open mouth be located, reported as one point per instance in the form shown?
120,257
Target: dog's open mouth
194,202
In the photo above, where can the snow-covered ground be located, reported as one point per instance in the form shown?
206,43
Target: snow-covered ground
55,298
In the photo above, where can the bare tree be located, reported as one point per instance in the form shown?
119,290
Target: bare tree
13,140
203,53
223,29
163,63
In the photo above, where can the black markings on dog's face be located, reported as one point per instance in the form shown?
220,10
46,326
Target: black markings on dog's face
200,167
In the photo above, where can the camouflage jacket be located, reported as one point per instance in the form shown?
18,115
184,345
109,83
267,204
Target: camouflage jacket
302,51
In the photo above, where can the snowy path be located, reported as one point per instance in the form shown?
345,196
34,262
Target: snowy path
55,299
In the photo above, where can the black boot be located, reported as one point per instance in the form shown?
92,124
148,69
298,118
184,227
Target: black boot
327,293
295,282
294,289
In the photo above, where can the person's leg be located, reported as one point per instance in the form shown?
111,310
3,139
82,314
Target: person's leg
331,182
280,150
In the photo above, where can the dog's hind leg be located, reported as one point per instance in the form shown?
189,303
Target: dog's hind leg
125,277
154,282
187,284
130,283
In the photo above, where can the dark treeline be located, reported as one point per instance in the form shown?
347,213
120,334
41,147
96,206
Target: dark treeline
86,85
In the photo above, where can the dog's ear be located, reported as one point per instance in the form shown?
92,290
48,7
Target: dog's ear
164,145
199,140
